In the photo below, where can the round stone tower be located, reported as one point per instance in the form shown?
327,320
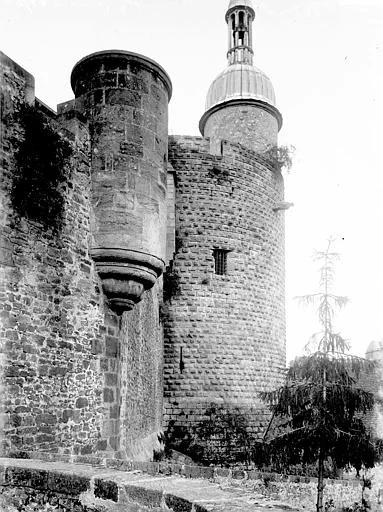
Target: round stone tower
224,317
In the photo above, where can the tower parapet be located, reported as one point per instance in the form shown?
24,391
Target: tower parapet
125,98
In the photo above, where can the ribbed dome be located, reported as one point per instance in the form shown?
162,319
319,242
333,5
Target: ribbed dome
240,81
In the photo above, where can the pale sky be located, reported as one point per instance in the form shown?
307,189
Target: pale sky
325,59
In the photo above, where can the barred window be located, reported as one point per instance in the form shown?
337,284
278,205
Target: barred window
220,261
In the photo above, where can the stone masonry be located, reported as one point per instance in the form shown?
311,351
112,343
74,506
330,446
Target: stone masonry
251,127
99,351
76,377
228,329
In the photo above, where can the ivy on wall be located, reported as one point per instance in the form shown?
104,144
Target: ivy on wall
280,157
221,438
41,157
172,286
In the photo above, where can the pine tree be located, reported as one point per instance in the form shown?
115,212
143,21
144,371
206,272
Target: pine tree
318,412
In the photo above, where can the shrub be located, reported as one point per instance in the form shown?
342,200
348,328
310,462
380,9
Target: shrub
41,169
220,439
171,285
280,157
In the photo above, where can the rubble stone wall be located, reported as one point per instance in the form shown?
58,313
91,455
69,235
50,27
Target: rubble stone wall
65,369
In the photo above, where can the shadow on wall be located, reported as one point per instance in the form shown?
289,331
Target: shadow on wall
223,438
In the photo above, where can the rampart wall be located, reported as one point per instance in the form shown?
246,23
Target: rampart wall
76,378
144,486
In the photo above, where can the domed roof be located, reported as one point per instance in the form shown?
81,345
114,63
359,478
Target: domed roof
240,81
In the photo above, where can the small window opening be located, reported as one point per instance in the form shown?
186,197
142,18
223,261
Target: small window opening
241,18
241,38
182,364
232,30
220,261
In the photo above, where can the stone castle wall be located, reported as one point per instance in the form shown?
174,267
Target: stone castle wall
224,334
75,377
82,374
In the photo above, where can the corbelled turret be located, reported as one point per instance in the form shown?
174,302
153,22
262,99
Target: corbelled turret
125,98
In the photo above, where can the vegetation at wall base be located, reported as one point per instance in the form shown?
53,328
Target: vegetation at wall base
318,412
222,438
41,169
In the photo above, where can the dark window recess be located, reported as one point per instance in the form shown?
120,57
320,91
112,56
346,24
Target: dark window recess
182,364
220,261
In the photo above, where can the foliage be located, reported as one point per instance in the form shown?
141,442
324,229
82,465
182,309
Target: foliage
178,437
41,170
222,438
357,507
280,157
379,442
326,302
18,455
171,285
320,407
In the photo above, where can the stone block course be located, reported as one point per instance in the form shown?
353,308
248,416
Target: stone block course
83,488
230,327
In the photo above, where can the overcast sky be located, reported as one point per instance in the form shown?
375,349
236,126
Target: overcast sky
325,59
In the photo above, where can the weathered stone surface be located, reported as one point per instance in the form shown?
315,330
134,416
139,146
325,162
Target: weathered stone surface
86,489
76,378
230,328
59,341
248,124
127,111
